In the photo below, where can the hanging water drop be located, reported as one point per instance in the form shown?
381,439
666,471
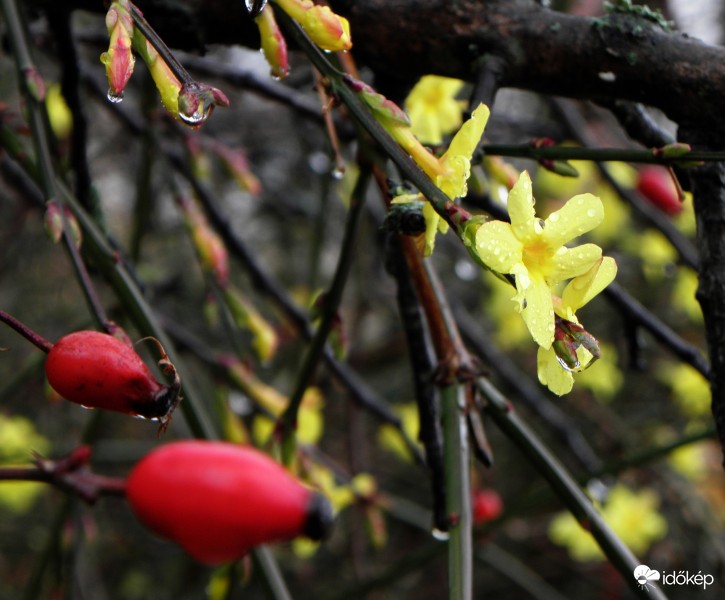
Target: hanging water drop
197,117
255,6
439,534
338,173
114,96
571,368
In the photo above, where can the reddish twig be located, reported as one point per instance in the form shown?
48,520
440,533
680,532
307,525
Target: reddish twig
26,332
69,473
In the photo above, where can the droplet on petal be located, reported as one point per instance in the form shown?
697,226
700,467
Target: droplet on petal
113,96
255,6
571,368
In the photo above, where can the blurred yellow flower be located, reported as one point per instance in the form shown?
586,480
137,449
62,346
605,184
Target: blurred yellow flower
59,115
19,439
656,252
389,437
511,331
683,294
605,379
690,389
433,108
691,460
632,516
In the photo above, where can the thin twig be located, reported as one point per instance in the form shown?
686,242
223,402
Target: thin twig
633,309
288,420
564,485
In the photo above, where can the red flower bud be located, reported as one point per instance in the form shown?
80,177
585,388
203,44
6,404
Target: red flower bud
98,370
487,505
218,500
656,184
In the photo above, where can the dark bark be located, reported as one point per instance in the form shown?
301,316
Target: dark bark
708,186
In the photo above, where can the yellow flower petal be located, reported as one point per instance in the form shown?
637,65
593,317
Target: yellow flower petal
582,289
457,160
521,209
581,214
498,247
538,313
552,374
572,262
464,143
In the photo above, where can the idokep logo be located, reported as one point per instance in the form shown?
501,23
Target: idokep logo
646,576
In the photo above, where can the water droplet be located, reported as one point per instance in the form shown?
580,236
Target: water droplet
496,251
338,173
114,96
200,115
570,368
440,535
255,6
466,270
554,217
591,213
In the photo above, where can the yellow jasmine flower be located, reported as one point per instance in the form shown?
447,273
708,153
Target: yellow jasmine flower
533,251
632,516
451,171
433,108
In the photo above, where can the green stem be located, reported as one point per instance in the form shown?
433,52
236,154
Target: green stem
288,419
565,487
598,154
362,114
166,55
272,574
458,493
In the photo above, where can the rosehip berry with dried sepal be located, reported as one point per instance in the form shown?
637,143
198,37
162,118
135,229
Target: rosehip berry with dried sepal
486,505
98,370
218,500
657,185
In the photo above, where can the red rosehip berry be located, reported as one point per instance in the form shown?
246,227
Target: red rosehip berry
218,500
97,370
487,505
656,185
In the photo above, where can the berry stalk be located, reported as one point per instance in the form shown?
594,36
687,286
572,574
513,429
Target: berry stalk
26,332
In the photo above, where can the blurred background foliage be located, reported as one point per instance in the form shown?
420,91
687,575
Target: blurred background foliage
612,431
